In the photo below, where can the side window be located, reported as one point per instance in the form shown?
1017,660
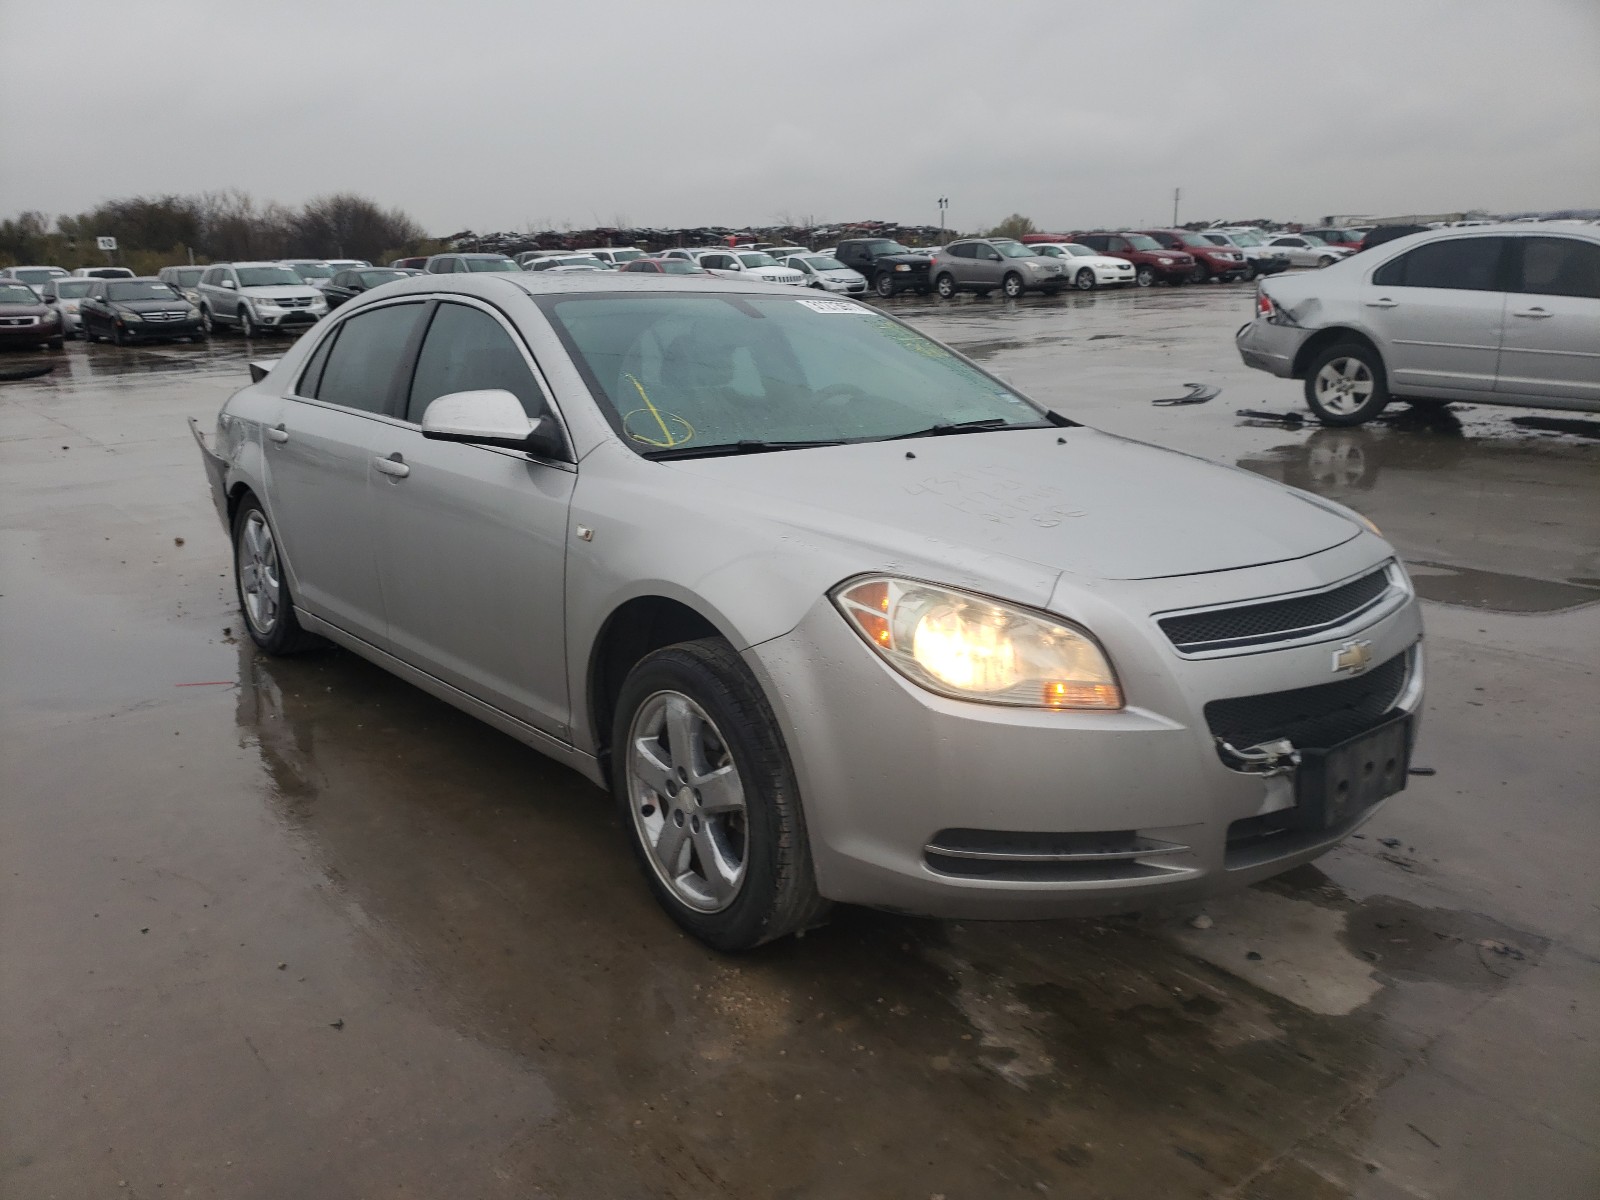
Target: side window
1117,243
1463,264
961,250
467,350
312,375
361,366
209,277
1556,266
445,266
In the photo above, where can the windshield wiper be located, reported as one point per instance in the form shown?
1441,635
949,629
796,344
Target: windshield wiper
745,447
982,423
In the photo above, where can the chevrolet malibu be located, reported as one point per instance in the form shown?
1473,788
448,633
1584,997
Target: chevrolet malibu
834,614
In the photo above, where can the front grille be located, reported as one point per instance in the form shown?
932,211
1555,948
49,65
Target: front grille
1311,717
293,302
165,316
1276,620
13,321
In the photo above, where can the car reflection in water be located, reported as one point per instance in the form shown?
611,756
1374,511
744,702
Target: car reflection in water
1485,520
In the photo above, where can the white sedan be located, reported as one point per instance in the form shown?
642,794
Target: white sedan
1307,252
827,273
1085,269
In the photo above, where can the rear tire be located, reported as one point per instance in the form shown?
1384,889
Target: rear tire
723,842
262,586
1198,274
945,285
1346,385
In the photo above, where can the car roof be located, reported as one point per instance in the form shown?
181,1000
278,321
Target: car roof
475,254
490,284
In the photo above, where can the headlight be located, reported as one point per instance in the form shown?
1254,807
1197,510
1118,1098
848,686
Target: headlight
975,648
128,315
902,266
1163,259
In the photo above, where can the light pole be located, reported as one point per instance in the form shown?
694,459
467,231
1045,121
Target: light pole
944,203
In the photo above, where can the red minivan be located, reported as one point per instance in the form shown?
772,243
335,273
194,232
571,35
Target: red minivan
1152,263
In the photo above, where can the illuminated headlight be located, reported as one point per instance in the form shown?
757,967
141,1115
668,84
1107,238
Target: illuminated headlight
976,648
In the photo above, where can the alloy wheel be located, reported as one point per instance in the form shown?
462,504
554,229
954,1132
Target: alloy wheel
687,801
258,573
1344,385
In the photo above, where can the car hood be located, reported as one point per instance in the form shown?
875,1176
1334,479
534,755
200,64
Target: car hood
1072,499
916,260
24,310
283,291
144,306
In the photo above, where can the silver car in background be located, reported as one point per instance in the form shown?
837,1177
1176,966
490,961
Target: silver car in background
1305,251
983,264
835,614
825,273
1499,314
68,294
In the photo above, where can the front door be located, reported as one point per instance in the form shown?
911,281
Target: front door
319,468
473,538
1551,349
1439,311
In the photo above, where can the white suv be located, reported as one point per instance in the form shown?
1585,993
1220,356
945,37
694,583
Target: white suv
748,265
258,296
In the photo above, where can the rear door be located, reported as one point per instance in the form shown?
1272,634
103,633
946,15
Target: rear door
1551,348
473,538
1439,313
334,422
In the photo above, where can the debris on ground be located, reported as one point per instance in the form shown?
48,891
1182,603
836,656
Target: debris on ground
1199,393
1291,419
1200,922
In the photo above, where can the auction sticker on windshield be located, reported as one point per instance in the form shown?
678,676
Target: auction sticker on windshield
832,306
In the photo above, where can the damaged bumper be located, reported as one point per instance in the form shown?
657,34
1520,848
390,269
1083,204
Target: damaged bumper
216,472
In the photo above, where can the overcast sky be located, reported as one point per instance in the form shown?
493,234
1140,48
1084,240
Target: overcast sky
498,115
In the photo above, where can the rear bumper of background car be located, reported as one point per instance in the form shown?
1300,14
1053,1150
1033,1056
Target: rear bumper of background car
919,803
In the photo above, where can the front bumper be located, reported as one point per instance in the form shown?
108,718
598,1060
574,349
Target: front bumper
1270,347
849,287
891,774
162,329
1170,271
30,335
279,318
1107,275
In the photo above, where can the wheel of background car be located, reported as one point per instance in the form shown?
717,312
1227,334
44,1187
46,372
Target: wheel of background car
1144,276
1346,385
1197,273
261,585
709,800
1012,285
945,285
883,284
118,337
206,322
1250,272
247,324
1084,280
1326,260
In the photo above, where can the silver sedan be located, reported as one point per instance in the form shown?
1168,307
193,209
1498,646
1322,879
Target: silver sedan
834,614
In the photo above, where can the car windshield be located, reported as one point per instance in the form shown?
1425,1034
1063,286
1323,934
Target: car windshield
1014,250
71,289
1140,242
1194,239
267,277
623,256
490,264
1217,239
888,247
821,262
17,293
758,260
141,289
373,279
1246,239
189,276
36,274
679,375
313,270
676,266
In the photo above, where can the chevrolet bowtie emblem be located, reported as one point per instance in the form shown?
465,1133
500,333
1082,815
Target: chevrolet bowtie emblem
1353,657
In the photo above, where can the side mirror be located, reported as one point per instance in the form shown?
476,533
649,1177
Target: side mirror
52,299
228,283
491,417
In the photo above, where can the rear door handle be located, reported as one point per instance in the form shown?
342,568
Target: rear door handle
393,465
278,434
1385,302
1539,313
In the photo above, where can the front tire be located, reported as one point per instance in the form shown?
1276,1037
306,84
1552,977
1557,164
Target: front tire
1012,286
1084,280
709,800
261,585
1198,274
945,285
247,323
1346,385
207,325
1327,260
883,284
1144,277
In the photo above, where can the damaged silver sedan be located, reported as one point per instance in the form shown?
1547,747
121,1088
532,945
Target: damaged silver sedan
834,614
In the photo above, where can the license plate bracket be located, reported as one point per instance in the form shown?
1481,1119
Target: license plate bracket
1334,786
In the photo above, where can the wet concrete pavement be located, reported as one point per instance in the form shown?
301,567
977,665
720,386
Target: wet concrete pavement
274,928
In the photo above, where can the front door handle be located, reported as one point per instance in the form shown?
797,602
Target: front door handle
278,434
393,465
1384,302
1537,313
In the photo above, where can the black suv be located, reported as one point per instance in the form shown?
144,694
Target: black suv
889,267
